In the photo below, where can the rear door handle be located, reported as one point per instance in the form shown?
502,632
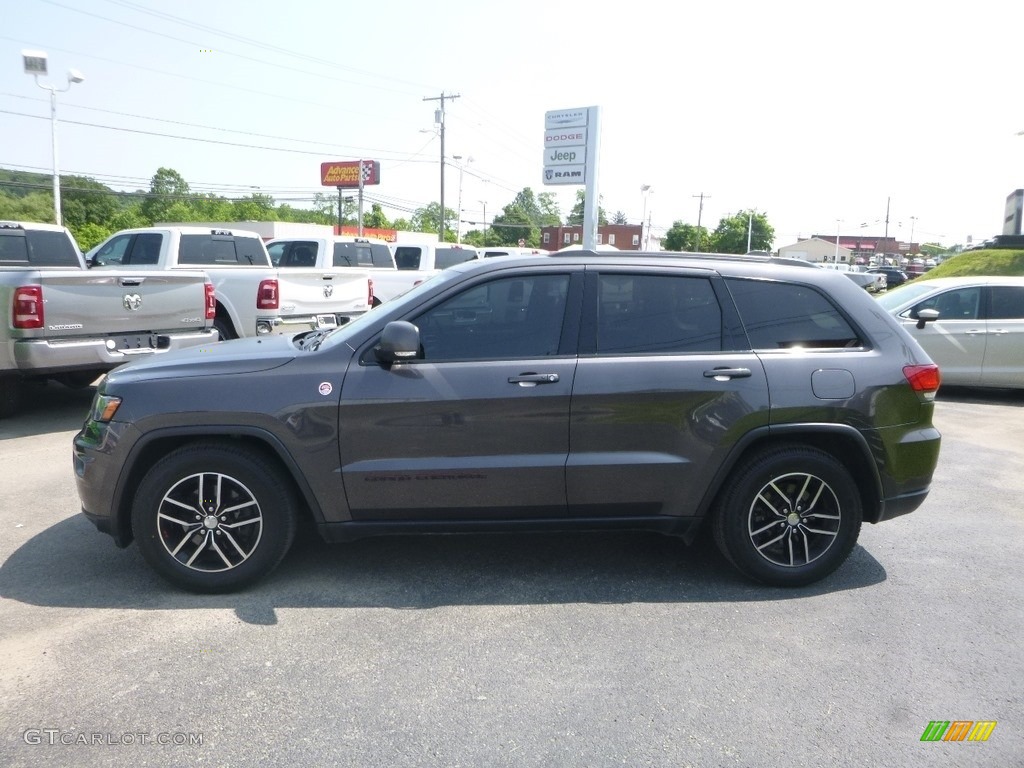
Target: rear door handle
724,374
533,379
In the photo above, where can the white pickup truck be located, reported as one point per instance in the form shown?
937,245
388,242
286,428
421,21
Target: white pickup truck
71,324
254,297
346,252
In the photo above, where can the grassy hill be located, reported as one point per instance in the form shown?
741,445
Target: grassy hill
996,262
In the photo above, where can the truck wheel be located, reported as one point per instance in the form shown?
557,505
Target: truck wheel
214,518
224,329
790,516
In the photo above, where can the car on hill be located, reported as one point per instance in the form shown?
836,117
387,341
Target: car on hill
769,401
972,327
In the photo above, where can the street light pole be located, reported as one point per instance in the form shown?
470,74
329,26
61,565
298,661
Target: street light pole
750,228
836,257
458,229
484,204
645,190
439,121
35,65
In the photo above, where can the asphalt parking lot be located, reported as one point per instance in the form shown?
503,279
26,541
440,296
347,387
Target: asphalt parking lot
575,650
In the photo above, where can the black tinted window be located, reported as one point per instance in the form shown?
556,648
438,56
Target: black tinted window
657,313
145,249
13,247
407,257
353,255
503,319
51,249
218,251
784,315
449,257
1007,302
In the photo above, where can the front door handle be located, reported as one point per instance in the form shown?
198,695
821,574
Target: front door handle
724,374
533,379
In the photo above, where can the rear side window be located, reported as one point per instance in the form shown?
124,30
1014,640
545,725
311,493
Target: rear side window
657,313
1007,303
212,250
790,316
449,257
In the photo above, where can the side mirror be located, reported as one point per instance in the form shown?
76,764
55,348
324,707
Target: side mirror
926,316
399,341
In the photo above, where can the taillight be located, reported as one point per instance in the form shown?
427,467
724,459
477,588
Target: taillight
267,295
369,292
27,310
211,302
923,378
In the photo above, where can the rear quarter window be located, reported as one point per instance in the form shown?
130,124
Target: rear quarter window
779,315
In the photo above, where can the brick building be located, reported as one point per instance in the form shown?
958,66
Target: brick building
625,237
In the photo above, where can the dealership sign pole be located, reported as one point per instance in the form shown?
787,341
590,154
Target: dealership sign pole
572,140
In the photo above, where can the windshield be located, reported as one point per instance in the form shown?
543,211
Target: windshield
904,294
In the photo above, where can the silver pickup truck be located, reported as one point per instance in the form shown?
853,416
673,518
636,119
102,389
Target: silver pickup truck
71,324
254,298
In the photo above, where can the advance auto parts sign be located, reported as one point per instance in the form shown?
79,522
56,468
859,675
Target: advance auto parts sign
345,174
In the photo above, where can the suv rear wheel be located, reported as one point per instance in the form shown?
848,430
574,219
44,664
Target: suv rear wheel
214,518
790,516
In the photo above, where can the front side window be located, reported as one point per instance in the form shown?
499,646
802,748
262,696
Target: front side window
959,304
507,318
113,252
657,314
780,315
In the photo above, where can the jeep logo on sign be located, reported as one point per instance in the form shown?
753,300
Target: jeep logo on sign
132,301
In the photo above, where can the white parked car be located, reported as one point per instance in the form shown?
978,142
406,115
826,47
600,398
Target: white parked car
972,327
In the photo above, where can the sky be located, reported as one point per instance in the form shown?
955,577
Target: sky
821,116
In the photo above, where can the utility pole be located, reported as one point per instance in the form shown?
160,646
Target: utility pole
887,201
439,121
700,212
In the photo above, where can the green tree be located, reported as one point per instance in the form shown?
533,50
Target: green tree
36,206
86,201
89,235
575,217
166,188
376,219
683,237
550,211
512,225
730,236
257,207
426,219
619,217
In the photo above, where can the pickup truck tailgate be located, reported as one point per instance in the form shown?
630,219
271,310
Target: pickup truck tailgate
342,291
95,302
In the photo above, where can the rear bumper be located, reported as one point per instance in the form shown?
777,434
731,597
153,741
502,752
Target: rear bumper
299,323
35,356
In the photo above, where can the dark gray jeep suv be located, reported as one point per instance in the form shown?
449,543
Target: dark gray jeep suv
773,402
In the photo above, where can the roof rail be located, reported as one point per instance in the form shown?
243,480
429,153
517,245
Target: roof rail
762,258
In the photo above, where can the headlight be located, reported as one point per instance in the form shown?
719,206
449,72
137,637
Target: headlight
104,407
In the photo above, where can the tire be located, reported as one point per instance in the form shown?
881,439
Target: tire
225,329
790,516
235,538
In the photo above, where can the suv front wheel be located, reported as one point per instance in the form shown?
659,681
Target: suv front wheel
790,516
214,518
